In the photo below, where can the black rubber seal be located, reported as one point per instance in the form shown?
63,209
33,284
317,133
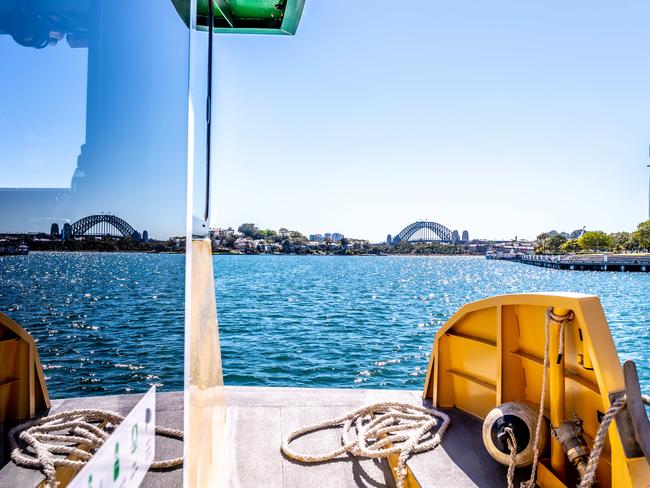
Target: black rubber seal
519,428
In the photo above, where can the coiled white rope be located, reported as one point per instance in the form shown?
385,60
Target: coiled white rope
599,441
63,432
381,429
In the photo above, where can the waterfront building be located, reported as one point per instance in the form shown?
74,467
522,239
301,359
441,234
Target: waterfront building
178,241
67,231
331,236
244,244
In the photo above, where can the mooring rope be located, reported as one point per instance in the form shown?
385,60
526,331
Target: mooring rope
512,447
599,441
63,432
561,320
382,429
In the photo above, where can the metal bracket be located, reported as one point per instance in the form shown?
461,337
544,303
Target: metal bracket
632,421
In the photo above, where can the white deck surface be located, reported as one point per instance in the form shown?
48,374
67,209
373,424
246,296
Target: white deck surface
257,420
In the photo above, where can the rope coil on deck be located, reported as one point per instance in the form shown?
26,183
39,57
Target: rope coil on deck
62,433
382,429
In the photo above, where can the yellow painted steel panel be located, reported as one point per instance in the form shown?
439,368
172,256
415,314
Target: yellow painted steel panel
473,398
22,383
444,396
492,350
480,324
473,358
511,384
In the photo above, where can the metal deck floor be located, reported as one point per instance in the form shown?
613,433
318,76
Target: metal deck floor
258,418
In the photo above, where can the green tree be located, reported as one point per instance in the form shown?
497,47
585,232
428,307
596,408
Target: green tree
572,245
642,234
249,230
344,242
269,235
328,244
622,241
230,241
403,247
554,243
541,243
633,244
595,241
287,246
297,237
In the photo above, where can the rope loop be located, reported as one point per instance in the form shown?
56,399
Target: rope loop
63,432
376,431
560,319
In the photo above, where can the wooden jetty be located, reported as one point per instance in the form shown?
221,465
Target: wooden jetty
582,262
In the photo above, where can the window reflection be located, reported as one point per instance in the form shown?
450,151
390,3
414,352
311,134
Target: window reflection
93,157
95,114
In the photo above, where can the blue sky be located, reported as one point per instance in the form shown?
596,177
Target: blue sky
502,118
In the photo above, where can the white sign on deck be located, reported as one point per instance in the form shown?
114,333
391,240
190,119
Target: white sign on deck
124,459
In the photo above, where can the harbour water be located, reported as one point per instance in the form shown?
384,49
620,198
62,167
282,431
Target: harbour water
113,323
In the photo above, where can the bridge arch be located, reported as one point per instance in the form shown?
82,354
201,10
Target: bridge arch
103,225
434,228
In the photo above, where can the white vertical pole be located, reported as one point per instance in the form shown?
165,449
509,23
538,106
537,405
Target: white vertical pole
204,402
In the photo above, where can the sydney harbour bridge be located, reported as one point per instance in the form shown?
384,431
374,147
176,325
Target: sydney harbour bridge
427,231
102,225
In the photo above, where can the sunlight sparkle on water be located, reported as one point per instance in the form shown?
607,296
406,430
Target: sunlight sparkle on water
113,323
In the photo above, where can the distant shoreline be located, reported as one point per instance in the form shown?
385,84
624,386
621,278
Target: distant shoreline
176,245
58,251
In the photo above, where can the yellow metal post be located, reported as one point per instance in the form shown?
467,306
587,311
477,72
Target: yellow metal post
557,393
